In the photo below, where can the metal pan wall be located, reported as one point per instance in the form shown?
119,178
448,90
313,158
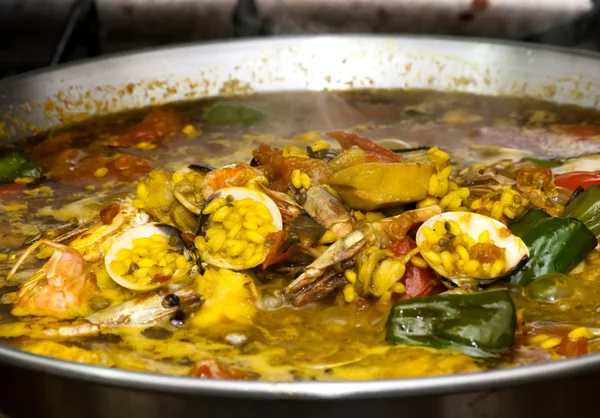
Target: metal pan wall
35,386
49,98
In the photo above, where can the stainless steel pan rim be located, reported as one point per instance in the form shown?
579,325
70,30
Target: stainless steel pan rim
307,63
305,390
291,39
580,64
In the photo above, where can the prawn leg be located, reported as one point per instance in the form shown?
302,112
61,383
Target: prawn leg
328,211
288,207
92,244
398,226
340,250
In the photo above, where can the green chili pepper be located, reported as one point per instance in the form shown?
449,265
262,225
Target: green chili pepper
529,220
556,245
586,208
15,164
542,163
575,193
477,324
418,116
232,113
550,287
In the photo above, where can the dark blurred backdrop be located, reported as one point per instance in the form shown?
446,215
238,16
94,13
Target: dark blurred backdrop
38,33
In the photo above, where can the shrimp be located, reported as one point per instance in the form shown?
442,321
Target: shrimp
229,175
347,247
61,288
318,289
143,311
340,250
147,309
328,211
91,238
288,207
398,226
237,175
93,243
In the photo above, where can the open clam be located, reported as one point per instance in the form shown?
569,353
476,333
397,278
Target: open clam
236,232
148,257
464,245
187,186
590,162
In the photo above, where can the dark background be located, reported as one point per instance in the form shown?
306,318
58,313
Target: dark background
38,33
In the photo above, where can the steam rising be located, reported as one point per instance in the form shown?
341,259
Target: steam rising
490,18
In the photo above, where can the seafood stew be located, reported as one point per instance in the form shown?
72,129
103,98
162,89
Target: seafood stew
307,236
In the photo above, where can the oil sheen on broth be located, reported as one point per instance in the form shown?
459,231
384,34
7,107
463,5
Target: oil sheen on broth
291,320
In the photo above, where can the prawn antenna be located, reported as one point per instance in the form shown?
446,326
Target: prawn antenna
30,251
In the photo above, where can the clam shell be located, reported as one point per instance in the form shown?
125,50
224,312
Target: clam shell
125,241
474,224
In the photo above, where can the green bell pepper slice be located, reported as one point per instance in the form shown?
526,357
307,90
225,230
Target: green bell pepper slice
529,220
15,164
232,113
550,287
542,163
477,324
586,207
556,245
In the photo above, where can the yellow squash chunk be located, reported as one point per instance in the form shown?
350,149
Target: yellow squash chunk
348,158
373,186
226,296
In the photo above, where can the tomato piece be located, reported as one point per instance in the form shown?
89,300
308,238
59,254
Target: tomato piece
130,167
267,159
276,254
264,154
534,178
486,252
373,157
419,282
318,170
558,331
108,213
572,347
80,165
402,246
347,140
51,145
575,179
569,347
278,169
583,130
11,192
212,369
157,126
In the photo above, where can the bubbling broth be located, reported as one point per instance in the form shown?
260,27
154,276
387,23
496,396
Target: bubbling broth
307,236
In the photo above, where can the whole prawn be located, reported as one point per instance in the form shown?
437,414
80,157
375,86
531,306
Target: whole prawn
60,289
